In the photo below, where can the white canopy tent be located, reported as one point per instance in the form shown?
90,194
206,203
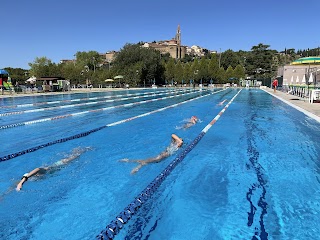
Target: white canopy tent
31,80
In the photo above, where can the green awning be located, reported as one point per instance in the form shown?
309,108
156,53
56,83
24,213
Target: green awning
307,60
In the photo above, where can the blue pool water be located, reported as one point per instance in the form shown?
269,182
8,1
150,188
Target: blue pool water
254,174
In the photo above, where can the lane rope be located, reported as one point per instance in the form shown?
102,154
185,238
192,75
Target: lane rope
86,104
89,111
123,217
78,99
83,134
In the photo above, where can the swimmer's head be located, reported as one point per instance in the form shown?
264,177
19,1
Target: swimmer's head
194,118
181,142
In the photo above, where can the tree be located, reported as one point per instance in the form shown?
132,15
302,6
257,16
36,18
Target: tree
259,61
195,70
229,73
187,72
178,73
229,58
42,67
169,72
71,72
203,74
17,75
213,69
90,59
148,60
239,72
221,78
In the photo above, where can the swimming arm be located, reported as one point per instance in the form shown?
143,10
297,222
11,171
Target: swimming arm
177,140
25,178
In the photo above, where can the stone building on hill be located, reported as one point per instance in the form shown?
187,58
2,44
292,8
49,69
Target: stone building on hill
173,46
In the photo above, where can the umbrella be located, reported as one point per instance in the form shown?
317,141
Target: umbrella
109,80
118,77
304,79
311,78
2,71
297,80
292,79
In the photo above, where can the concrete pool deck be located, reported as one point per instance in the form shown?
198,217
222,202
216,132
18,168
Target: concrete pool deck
299,103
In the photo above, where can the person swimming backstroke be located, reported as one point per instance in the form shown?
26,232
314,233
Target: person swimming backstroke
43,170
175,144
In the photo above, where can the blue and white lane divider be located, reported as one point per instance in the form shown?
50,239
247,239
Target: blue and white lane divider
89,111
86,104
80,135
123,217
79,99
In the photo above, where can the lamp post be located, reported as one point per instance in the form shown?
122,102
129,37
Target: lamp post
94,65
244,66
81,73
137,73
86,69
195,73
220,58
307,74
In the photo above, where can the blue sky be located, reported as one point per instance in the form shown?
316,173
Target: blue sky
58,29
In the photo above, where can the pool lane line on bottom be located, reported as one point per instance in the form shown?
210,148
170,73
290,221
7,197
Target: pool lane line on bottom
79,99
90,111
114,227
33,149
88,103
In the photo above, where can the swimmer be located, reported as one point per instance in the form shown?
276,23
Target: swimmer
43,170
192,121
175,144
221,103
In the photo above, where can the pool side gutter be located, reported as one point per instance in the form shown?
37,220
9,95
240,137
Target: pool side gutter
311,110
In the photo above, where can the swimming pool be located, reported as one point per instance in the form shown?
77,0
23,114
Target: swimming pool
254,174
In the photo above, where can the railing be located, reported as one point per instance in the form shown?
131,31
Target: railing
299,91
310,93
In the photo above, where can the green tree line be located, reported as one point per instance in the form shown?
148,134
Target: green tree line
141,66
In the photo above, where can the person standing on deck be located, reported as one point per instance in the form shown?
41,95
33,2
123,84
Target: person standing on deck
275,84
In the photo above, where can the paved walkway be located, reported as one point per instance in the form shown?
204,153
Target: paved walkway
299,103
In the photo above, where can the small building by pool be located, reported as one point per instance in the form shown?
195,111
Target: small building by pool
53,84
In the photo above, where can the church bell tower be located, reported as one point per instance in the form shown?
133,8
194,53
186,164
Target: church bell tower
178,40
